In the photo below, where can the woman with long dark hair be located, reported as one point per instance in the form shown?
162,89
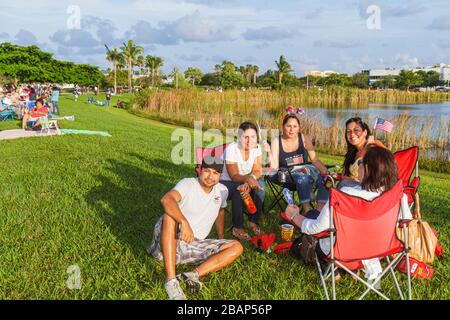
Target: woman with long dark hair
358,137
243,166
378,173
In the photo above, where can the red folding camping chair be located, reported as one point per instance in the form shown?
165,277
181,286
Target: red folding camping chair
365,230
407,163
201,152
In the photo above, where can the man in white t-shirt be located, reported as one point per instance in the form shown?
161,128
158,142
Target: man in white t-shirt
191,208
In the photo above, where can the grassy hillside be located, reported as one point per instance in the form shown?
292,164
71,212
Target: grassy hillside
92,201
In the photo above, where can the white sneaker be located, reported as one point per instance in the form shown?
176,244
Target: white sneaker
192,281
174,290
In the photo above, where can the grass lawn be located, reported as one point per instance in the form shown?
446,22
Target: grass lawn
92,201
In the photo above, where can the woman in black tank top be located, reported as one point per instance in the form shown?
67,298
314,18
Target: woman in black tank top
295,149
296,157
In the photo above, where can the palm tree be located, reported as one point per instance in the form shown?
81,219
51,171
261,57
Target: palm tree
154,65
117,59
218,69
121,64
174,74
131,53
283,68
140,63
255,70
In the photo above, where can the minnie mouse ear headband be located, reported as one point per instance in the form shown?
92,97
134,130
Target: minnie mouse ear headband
298,111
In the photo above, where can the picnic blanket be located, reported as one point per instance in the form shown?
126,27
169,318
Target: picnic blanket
20,133
89,132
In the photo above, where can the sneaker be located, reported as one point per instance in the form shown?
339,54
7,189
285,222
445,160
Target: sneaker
192,281
174,290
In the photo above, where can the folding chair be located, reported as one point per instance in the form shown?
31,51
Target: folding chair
407,162
277,189
8,113
48,124
201,152
31,104
365,230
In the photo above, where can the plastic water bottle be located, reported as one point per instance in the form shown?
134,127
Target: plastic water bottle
288,196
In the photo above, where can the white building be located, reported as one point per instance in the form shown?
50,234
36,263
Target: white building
377,74
318,73
442,69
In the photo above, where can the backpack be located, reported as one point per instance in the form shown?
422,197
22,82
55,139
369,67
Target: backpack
304,248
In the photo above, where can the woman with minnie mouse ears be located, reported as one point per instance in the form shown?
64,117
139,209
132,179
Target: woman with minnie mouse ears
294,148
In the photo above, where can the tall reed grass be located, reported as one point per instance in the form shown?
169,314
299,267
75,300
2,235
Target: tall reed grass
228,109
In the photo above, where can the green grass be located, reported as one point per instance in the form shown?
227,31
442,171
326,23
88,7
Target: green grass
92,201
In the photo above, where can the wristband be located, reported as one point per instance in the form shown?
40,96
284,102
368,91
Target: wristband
296,214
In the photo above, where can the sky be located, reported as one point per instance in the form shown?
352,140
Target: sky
346,36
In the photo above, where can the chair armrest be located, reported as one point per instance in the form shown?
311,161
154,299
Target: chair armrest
415,182
323,234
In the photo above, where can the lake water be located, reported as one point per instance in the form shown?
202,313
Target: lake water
437,113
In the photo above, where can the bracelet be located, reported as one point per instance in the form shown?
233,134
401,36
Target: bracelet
296,214
254,177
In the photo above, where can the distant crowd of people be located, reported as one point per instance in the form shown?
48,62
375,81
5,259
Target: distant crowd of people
24,99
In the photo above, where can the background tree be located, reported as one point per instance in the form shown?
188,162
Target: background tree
283,68
30,64
116,58
267,79
335,79
230,77
255,70
140,63
210,79
131,53
154,65
194,74
360,80
407,79
218,73
430,78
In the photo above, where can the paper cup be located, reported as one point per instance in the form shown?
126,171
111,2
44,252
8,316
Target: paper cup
287,232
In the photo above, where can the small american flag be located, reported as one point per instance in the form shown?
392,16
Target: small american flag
383,125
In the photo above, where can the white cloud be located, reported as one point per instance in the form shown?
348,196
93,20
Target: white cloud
440,23
25,38
201,29
338,44
190,28
404,60
271,33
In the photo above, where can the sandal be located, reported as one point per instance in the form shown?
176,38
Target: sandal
255,228
241,234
